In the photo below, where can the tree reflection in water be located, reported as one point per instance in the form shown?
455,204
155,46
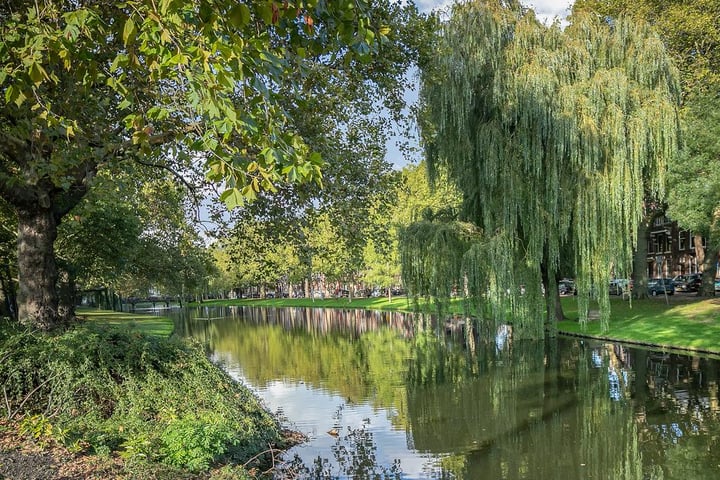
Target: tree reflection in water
354,454
451,402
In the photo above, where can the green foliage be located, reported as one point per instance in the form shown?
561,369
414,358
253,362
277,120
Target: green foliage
414,198
148,398
548,133
199,89
196,442
690,29
349,125
8,260
160,62
38,427
256,253
691,32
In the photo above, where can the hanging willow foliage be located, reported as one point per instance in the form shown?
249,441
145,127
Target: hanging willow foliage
552,136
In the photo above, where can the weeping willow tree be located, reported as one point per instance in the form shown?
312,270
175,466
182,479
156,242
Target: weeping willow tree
552,136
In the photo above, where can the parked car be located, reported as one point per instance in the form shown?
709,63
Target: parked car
679,280
566,287
693,284
717,285
618,286
661,286
688,283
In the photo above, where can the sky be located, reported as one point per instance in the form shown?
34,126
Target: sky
545,10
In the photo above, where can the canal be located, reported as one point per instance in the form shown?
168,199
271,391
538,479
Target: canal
392,395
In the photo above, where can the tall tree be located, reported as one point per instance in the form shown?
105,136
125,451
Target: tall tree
691,31
256,253
413,198
694,181
548,133
170,83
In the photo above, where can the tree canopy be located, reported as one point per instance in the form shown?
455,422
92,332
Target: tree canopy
691,32
549,135
178,85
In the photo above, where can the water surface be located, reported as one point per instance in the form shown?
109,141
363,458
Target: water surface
390,395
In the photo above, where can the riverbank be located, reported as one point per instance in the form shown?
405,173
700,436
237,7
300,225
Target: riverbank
117,397
680,322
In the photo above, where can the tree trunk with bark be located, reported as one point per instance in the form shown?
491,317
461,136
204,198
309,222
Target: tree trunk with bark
40,204
699,249
553,306
37,270
709,268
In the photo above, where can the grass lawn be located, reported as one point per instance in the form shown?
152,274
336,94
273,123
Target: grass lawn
145,323
684,322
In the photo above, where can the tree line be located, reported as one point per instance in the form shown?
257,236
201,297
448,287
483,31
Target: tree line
552,147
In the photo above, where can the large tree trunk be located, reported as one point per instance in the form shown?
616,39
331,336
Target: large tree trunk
37,270
707,287
640,271
553,307
699,249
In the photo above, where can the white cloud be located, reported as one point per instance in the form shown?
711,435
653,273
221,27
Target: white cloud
545,10
548,10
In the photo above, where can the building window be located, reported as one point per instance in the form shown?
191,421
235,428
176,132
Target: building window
660,221
682,240
704,242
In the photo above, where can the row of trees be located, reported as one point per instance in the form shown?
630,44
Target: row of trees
344,239
240,95
559,141
566,144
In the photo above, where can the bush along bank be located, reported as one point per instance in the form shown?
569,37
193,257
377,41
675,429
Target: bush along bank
113,392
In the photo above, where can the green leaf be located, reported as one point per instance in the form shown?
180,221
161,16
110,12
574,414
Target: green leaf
129,31
37,73
240,15
265,12
232,198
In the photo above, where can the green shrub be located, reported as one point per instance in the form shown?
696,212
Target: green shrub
195,443
148,398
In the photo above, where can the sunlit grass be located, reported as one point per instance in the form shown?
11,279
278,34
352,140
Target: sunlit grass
144,323
686,322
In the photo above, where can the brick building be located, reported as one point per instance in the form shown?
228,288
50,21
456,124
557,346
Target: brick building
671,250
